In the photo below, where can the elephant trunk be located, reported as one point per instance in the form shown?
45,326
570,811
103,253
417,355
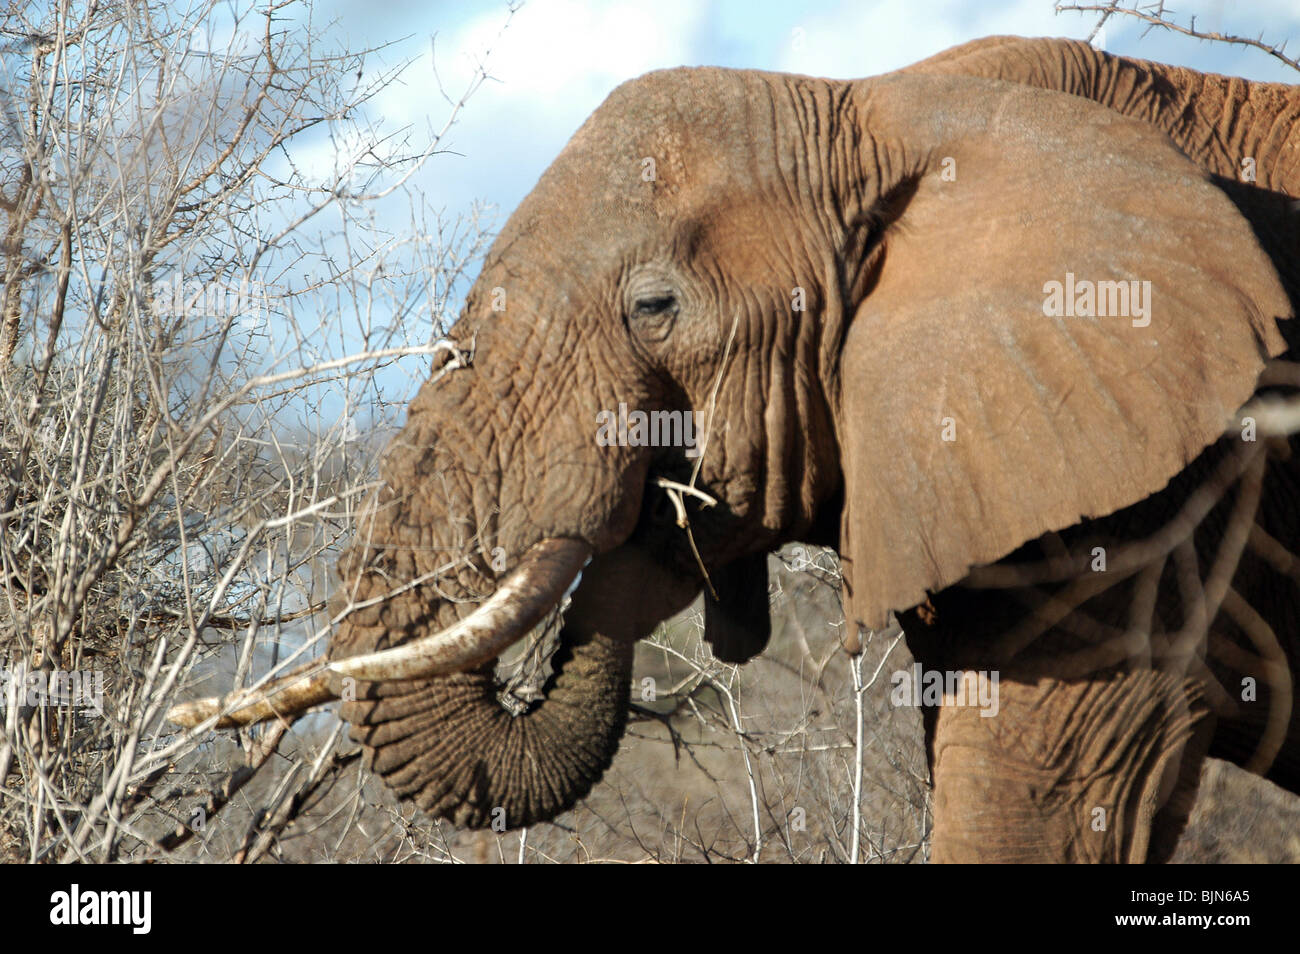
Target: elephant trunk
428,711
420,691
447,744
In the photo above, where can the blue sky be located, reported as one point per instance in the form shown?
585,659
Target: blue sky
558,59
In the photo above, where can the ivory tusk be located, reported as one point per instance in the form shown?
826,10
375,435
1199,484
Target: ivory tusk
548,570
519,603
290,695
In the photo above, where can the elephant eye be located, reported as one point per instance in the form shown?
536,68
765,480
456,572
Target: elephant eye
654,305
652,316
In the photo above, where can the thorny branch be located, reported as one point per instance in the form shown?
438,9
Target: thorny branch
1157,17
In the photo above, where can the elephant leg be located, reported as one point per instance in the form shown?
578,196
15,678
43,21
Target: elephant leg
1102,769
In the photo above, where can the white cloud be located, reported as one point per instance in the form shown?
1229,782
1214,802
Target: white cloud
556,57
853,40
551,47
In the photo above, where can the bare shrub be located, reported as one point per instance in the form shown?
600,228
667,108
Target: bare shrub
205,335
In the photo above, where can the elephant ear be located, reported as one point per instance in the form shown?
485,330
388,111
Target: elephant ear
738,623
973,417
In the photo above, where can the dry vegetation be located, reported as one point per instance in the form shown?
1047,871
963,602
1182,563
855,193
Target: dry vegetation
200,316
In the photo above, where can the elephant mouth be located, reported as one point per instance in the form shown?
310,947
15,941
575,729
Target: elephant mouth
439,724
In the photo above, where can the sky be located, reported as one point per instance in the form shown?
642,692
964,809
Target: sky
557,59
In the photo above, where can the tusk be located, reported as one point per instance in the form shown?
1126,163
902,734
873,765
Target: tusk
290,695
549,568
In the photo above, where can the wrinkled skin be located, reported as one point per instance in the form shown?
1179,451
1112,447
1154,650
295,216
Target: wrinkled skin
653,284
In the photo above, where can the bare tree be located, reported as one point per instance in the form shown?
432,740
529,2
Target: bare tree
204,330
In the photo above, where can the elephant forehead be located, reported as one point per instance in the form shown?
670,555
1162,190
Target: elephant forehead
665,141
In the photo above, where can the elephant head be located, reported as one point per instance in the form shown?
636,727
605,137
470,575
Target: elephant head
834,280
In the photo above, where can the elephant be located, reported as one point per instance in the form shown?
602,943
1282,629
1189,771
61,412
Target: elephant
1004,329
